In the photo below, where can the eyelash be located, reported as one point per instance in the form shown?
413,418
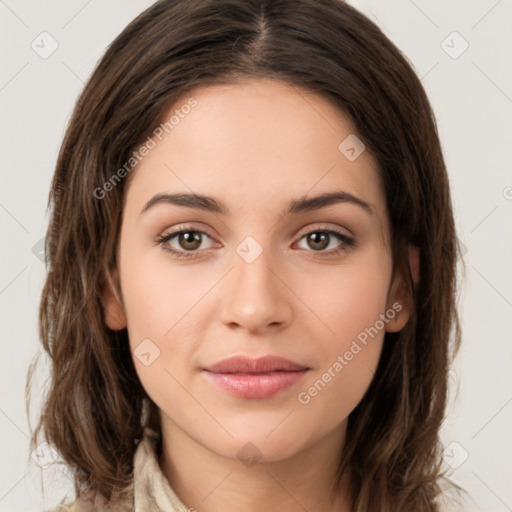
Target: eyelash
162,240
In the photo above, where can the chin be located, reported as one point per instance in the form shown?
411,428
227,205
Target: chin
265,441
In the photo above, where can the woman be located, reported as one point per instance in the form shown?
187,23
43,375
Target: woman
250,300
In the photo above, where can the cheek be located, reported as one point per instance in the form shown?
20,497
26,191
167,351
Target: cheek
348,364
333,392
159,310
348,300
157,302
349,339
158,296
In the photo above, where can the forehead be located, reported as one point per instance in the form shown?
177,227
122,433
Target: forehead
255,144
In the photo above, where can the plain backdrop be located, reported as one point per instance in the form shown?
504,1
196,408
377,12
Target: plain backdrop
462,51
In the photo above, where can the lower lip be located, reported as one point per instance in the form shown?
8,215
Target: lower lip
262,385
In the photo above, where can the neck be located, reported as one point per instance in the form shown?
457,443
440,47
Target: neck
209,482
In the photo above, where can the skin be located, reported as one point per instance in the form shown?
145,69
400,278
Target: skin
255,146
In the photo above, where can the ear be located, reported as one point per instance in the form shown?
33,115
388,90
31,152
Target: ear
113,309
401,293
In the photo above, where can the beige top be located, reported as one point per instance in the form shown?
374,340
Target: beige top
149,492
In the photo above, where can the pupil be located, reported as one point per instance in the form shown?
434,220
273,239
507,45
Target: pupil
190,240
319,240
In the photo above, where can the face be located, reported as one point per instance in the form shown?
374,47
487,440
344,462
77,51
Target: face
268,272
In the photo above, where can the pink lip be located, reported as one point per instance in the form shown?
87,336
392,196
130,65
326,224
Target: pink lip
244,364
255,378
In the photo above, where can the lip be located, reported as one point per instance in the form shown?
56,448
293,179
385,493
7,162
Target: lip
245,364
246,377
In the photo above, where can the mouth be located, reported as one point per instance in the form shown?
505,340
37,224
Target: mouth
244,377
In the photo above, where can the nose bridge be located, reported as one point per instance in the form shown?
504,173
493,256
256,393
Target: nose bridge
256,298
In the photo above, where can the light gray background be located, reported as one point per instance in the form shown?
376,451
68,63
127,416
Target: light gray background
472,98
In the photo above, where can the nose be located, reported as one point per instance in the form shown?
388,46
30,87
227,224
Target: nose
256,297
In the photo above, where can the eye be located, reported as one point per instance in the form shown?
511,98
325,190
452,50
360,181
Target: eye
186,242
321,239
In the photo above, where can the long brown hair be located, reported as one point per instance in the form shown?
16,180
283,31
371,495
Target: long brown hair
93,410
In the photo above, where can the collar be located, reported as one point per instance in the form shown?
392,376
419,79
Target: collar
151,491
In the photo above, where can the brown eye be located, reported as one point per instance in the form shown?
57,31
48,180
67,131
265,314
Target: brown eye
184,243
318,240
322,239
189,240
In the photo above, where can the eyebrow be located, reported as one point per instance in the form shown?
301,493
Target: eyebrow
301,205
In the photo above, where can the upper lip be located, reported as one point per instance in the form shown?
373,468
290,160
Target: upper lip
244,364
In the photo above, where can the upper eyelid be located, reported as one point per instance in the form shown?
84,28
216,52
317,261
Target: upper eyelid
307,230
322,227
